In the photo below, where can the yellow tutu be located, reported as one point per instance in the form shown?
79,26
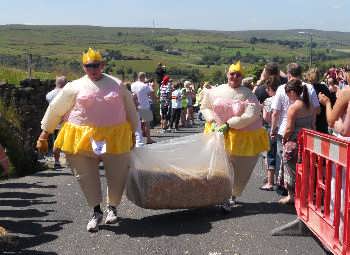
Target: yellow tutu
75,139
244,143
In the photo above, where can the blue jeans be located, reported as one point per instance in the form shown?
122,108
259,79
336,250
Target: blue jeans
271,155
279,148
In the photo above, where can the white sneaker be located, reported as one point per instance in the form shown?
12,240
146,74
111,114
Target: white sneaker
96,220
138,145
111,217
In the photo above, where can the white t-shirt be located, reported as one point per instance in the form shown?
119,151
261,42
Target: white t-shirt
142,91
52,94
268,103
176,99
281,103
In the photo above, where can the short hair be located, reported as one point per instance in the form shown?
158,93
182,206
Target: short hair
60,81
313,75
273,82
272,68
294,69
187,83
177,85
141,75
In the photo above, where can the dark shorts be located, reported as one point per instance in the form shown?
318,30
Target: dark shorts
165,112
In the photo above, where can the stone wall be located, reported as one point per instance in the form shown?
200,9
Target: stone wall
22,109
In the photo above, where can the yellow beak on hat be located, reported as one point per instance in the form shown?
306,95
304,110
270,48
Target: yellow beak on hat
91,56
236,68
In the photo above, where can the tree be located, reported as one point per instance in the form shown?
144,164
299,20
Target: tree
195,75
218,77
253,40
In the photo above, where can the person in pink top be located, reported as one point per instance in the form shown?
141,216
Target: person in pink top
100,123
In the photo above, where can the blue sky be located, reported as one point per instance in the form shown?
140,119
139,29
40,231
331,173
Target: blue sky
227,15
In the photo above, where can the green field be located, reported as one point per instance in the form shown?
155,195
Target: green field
57,49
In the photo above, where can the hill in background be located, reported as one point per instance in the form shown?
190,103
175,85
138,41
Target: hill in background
194,54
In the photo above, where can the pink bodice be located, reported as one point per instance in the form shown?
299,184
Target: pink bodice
98,106
226,108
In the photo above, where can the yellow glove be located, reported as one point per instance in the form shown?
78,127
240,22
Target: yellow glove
42,145
223,128
213,127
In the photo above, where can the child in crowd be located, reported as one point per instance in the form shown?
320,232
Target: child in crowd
271,164
176,105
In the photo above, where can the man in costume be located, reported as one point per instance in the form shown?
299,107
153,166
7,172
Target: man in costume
100,120
244,135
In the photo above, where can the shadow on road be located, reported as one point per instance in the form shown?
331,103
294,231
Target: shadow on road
17,185
244,209
193,221
52,174
168,224
27,226
39,234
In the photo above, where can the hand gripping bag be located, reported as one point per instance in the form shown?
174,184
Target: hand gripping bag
186,172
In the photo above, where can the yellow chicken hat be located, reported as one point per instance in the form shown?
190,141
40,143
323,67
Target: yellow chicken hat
91,55
236,68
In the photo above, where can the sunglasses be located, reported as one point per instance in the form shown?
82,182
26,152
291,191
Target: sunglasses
92,65
237,74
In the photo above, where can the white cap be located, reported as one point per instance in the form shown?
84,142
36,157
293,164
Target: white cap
187,83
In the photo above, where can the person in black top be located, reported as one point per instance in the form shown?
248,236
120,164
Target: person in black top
313,76
160,72
270,69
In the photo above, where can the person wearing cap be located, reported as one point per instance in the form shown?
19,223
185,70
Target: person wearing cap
244,136
160,72
100,123
164,94
59,84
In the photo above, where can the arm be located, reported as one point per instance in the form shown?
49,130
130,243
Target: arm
275,116
314,102
339,107
250,115
206,107
60,105
276,107
291,115
130,109
266,116
345,130
252,111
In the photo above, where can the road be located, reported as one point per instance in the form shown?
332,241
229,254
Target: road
47,214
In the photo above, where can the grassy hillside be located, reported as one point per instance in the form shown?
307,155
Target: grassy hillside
57,49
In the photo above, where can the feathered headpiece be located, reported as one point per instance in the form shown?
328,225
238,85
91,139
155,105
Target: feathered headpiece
91,55
236,68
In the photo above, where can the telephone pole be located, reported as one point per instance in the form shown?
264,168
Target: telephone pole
29,64
310,46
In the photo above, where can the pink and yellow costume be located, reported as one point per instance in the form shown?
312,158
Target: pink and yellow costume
245,138
102,112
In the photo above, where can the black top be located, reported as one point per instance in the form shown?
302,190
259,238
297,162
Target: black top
261,93
321,119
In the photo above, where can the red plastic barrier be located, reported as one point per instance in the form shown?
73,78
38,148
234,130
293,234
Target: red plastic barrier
322,191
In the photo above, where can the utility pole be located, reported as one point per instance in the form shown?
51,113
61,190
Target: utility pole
29,63
310,49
